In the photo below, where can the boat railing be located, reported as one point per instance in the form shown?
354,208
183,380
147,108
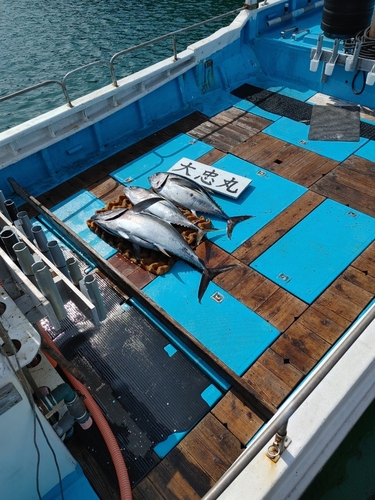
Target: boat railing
110,63
276,427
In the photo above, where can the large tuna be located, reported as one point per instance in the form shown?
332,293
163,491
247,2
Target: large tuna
163,209
145,230
186,193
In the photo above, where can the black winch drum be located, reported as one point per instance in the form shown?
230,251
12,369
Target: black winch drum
345,18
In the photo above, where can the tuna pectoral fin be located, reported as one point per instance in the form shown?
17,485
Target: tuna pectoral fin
208,275
232,221
162,250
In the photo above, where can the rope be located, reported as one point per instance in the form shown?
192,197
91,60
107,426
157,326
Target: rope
367,52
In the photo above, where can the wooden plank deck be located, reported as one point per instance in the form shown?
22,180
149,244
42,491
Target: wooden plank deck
307,331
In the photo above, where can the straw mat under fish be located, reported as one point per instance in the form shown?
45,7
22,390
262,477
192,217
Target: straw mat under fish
152,261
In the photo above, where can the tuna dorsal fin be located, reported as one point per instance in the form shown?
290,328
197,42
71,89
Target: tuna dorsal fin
187,183
145,204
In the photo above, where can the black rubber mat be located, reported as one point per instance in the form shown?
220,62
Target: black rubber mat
367,131
335,123
275,103
147,389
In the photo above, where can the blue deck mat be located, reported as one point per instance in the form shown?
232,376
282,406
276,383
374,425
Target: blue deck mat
297,133
313,254
230,330
266,196
214,104
160,159
367,151
75,211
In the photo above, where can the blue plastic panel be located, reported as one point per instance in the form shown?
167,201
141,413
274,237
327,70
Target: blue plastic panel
367,151
230,330
75,485
75,211
256,110
266,196
312,254
160,159
297,133
214,104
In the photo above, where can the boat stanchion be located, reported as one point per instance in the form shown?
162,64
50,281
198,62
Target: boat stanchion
279,445
58,257
74,270
41,240
26,224
25,259
89,286
9,238
49,289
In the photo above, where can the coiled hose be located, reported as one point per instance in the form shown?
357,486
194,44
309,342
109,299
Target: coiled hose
367,52
101,422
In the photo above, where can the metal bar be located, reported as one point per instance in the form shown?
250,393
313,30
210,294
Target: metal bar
292,403
36,86
243,388
164,37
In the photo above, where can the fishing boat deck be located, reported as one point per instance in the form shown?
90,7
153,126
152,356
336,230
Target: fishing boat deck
307,327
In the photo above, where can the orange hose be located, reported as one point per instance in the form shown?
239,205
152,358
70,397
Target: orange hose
101,422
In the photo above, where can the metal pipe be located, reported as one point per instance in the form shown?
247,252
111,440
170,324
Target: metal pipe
2,205
9,238
41,240
26,224
58,257
292,403
294,14
89,286
74,270
48,287
25,260
12,209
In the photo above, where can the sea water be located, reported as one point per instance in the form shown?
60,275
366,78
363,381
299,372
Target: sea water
43,40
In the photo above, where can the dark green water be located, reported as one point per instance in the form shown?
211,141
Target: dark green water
350,472
44,39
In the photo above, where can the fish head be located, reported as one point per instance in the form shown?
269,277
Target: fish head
158,180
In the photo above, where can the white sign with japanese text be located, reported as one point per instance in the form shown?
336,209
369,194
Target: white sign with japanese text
210,177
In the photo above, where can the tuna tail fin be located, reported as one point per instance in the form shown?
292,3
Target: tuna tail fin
232,221
202,232
209,274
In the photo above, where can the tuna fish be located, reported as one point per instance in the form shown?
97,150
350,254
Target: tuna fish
163,209
186,193
148,231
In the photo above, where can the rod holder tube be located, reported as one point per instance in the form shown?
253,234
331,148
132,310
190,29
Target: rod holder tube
12,209
89,286
9,238
2,205
25,259
49,289
26,224
58,257
74,270
41,240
